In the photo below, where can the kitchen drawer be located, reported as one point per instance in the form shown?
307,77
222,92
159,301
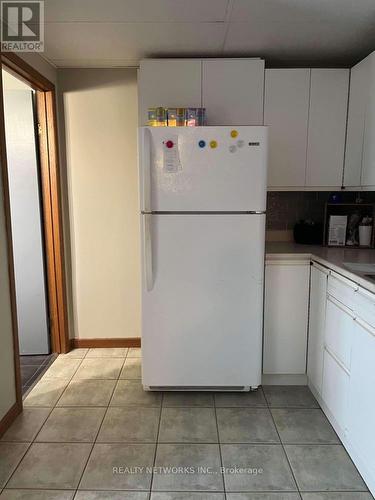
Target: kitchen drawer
336,389
342,289
338,330
364,306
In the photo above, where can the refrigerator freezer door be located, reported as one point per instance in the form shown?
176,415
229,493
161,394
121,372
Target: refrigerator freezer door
202,314
203,169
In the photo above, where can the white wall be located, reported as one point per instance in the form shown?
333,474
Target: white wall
100,113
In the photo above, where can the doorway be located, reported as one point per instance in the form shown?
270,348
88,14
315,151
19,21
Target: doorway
27,227
28,136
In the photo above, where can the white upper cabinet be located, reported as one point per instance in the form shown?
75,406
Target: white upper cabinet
368,159
232,91
168,83
358,98
327,127
286,110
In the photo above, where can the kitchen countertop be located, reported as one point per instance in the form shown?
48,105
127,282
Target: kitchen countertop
333,258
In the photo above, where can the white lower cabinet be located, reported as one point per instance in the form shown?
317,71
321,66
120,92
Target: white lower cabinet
361,408
348,374
339,331
285,317
335,389
318,292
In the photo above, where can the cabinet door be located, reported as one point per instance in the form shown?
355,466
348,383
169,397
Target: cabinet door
368,162
358,98
232,91
286,109
285,317
168,83
318,299
361,418
339,331
335,390
327,127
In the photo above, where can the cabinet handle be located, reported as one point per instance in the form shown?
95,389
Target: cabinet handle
365,326
321,268
291,262
345,281
367,294
340,363
341,306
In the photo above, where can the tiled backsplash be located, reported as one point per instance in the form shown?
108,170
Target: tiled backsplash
285,208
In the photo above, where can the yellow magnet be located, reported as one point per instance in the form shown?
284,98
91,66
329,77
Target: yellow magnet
234,134
213,144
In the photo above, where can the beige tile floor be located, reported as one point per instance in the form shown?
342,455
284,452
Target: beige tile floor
90,432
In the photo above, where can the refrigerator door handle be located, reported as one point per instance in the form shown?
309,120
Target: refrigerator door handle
146,170
147,248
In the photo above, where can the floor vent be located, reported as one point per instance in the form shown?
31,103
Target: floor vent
215,388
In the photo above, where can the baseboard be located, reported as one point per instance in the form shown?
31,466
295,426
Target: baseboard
9,417
120,342
284,379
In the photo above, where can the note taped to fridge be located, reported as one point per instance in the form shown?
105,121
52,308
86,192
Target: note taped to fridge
171,155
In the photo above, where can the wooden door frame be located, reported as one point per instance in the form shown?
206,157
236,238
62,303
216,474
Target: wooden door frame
51,203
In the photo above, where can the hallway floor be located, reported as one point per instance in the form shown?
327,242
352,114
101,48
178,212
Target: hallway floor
90,432
32,368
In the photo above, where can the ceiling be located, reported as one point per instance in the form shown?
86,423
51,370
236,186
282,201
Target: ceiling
113,33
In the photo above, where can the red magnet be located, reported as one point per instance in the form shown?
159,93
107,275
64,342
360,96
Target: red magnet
169,144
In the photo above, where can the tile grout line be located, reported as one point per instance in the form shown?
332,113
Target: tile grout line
81,361
30,444
220,451
99,429
69,380
54,406
157,442
283,448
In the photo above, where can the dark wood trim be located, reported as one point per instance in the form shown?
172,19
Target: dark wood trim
9,418
21,69
12,285
48,222
51,196
56,206
120,342
46,114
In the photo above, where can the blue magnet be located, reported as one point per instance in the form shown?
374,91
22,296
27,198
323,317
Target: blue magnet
201,144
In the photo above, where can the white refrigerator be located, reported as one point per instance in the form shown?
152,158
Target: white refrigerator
203,202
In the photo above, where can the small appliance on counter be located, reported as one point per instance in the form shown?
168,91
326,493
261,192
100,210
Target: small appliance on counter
337,230
349,225
308,232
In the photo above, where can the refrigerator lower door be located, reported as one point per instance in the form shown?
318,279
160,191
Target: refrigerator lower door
202,302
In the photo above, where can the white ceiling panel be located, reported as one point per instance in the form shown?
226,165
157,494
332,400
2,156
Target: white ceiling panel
135,10
313,11
108,44
282,41
120,32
